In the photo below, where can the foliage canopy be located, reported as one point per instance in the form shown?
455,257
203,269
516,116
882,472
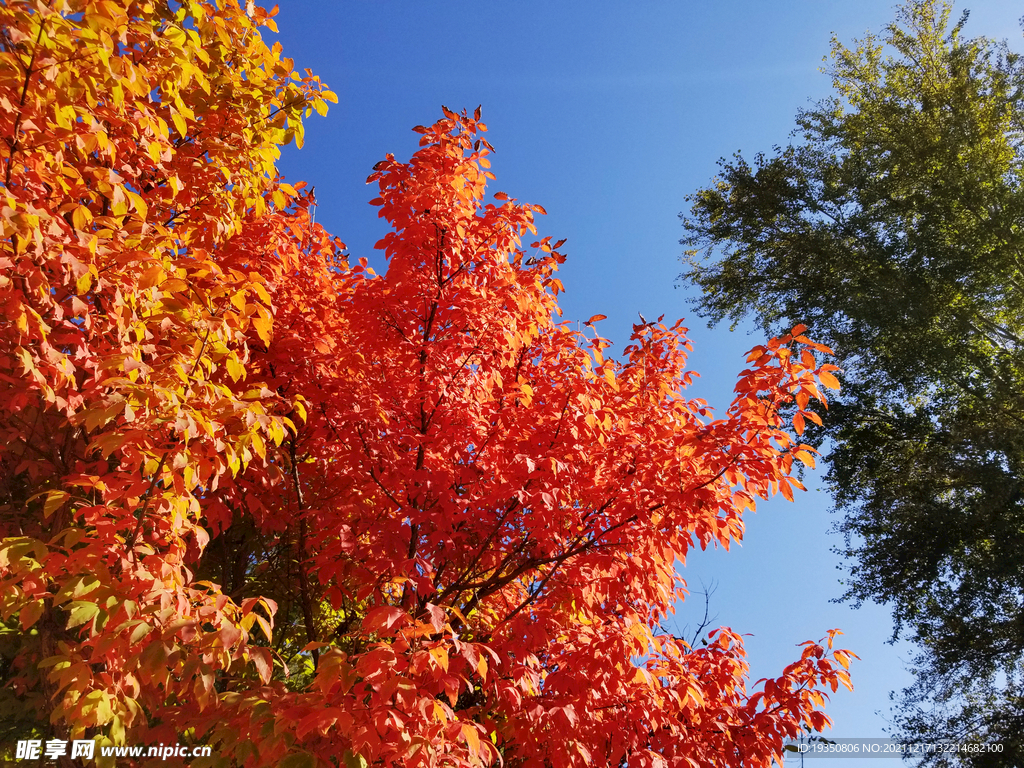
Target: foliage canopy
254,498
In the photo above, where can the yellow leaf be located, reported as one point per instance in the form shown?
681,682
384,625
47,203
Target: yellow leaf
235,369
175,35
138,203
259,446
117,730
179,123
83,283
440,656
609,376
262,293
54,501
81,217
263,326
469,732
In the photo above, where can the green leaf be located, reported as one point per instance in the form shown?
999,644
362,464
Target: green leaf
81,612
299,760
54,501
75,588
140,632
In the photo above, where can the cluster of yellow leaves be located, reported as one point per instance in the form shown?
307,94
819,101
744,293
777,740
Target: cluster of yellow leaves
143,226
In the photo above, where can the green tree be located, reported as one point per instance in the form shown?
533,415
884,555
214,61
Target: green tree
892,226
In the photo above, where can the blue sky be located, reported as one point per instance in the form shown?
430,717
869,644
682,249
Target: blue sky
608,114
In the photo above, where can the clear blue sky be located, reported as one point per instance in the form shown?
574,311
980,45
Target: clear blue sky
608,114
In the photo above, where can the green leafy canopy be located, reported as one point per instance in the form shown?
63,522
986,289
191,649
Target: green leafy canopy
891,227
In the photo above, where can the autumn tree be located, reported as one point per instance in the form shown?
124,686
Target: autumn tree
138,143
254,498
891,225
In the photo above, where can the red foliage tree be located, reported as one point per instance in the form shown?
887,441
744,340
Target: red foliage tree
492,512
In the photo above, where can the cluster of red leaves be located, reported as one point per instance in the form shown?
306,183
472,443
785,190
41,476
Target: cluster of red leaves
478,514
